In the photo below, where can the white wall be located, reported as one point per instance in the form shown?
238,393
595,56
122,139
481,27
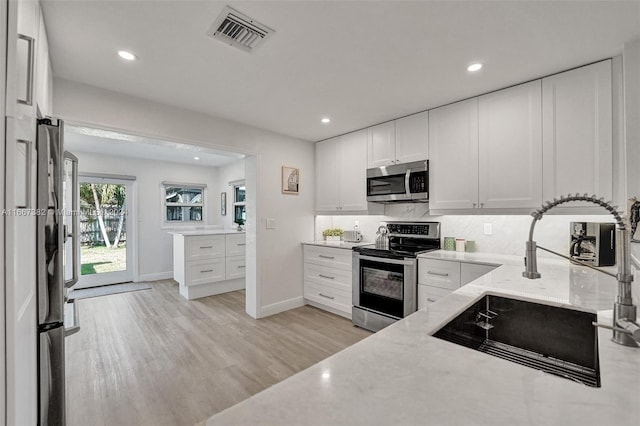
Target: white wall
155,244
275,283
230,172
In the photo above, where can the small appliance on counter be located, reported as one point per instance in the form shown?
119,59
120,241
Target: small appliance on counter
594,243
352,236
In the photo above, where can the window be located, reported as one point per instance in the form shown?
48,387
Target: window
239,195
183,202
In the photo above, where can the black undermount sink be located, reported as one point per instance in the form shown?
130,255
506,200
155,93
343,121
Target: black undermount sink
556,340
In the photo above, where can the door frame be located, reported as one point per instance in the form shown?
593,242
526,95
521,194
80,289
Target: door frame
131,184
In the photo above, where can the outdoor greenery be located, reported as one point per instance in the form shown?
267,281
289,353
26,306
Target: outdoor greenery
94,199
99,259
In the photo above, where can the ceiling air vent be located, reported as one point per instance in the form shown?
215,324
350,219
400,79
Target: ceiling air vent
238,30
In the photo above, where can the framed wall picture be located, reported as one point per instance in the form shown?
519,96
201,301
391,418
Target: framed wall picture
223,203
290,180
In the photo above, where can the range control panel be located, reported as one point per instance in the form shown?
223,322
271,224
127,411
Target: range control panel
415,229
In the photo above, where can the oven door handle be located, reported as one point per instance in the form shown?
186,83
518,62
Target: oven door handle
385,260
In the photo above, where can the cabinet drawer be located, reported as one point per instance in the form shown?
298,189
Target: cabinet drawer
235,267
204,247
472,271
235,244
339,299
428,294
206,271
324,274
327,256
439,273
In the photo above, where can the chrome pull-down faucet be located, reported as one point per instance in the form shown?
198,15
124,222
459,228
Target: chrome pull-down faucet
625,329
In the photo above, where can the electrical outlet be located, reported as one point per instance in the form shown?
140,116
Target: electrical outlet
271,224
488,229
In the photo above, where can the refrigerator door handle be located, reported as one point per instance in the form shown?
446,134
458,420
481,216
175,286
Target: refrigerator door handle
75,236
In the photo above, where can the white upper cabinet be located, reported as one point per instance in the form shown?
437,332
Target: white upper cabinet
381,148
453,154
341,173
577,132
43,77
327,177
353,171
412,138
400,141
510,147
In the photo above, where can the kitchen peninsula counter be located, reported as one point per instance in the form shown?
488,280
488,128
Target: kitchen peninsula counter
404,376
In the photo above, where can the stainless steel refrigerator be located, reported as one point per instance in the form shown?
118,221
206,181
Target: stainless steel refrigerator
57,265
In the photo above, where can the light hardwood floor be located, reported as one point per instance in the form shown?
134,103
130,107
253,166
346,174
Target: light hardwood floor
153,358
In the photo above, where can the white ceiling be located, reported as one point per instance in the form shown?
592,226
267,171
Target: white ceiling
84,139
359,62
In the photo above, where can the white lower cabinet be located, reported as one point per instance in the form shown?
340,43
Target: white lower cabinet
205,265
437,278
327,279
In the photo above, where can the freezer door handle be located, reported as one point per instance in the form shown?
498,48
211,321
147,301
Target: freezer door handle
51,377
71,318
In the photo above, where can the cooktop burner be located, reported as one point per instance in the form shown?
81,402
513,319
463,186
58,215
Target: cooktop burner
406,240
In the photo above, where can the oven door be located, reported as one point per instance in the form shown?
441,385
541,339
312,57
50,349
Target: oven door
387,286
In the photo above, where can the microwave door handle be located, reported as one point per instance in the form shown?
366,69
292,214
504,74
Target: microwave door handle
407,180
75,197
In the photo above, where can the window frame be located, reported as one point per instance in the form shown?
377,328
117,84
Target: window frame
165,205
234,204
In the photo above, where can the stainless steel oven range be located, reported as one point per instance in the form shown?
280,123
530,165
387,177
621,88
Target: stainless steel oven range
385,281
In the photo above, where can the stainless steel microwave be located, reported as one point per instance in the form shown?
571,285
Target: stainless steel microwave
408,182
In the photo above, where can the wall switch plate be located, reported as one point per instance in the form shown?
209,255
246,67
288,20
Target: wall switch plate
488,229
271,224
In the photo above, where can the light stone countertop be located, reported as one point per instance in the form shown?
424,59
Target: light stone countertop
195,232
404,376
338,244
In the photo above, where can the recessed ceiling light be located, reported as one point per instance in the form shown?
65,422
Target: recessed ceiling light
326,120
474,67
196,158
126,55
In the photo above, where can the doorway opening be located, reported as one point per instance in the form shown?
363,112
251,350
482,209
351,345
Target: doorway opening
106,237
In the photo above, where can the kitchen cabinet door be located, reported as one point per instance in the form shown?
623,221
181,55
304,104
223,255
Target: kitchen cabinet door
381,149
327,176
453,156
353,171
412,138
510,147
577,132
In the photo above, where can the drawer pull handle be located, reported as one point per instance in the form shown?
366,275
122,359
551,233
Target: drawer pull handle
430,300
328,297
242,244
327,277
206,270
206,247
241,266
440,274
326,257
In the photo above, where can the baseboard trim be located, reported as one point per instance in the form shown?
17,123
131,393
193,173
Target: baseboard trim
285,305
154,277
